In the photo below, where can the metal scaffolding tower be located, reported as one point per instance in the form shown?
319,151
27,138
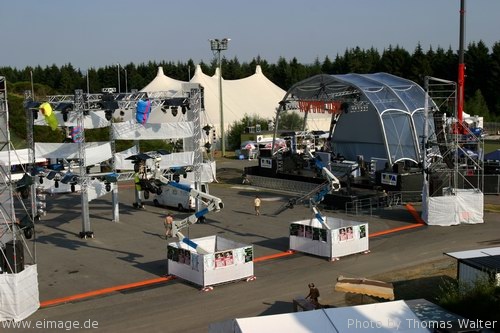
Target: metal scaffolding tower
17,208
453,152
83,104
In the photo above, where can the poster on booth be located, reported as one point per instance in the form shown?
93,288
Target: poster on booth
224,259
248,254
208,262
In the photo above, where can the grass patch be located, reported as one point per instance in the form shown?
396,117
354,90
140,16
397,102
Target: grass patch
480,300
492,208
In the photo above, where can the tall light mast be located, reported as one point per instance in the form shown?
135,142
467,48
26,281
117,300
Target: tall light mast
461,66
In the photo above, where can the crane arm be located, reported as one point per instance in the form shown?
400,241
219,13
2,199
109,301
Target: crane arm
315,196
212,203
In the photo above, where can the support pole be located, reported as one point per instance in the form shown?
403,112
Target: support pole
79,107
461,67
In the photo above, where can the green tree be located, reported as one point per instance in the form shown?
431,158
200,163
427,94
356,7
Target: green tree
357,61
420,66
477,61
290,121
396,61
443,64
494,81
327,66
476,106
239,126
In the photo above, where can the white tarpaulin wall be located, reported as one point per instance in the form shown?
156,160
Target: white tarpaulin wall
465,206
208,173
121,163
226,261
131,130
95,152
167,161
19,294
17,157
343,238
371,318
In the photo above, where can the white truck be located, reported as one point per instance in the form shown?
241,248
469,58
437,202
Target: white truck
172,196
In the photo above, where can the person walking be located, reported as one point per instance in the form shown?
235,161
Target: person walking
169,220
256,204
313,296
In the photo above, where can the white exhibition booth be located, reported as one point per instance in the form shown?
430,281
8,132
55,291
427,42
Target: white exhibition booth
226,261
341,238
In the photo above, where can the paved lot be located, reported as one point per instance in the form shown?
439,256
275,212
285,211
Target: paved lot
133,250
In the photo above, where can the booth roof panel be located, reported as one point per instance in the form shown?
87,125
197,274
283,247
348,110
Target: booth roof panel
332,222
212,244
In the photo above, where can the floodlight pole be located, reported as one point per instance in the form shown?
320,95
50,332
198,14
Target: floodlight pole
461,67
118,71
217,46
126,80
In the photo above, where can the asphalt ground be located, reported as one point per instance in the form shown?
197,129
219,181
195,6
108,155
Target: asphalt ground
124,254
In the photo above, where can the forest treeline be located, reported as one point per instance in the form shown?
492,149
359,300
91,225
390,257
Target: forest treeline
482,83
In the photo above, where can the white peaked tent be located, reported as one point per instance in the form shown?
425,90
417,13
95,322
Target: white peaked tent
163,83
255,95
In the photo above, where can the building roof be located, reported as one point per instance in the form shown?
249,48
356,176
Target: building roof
490,263
486,252
483,259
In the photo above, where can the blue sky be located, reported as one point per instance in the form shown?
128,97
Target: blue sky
96,33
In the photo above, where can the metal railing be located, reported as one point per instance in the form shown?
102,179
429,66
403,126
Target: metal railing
369,206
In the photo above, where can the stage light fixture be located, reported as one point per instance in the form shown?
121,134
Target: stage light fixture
51,175
174,110
185,106
108,114
69,178
165,106
33,106
208,146
108,104
65,108
207,129
344,107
